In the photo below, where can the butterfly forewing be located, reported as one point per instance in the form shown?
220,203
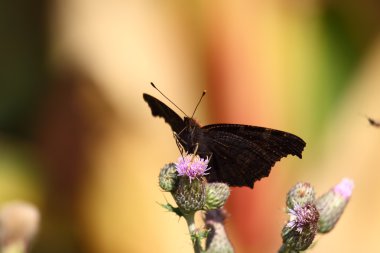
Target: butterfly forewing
161,110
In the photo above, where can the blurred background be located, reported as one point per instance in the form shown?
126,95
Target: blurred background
78,141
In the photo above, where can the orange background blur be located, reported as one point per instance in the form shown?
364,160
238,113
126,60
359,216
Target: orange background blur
77,139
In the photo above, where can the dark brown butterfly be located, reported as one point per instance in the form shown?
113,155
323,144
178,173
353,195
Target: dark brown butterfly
240,154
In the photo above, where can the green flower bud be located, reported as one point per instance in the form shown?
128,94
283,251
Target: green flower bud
168,177
285,249
216,195
300,194
190,195
332,204
217,240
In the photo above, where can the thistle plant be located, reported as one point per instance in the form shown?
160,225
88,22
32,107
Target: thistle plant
186,181
309,216
299,232
332,204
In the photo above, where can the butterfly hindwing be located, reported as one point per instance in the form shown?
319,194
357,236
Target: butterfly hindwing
243,154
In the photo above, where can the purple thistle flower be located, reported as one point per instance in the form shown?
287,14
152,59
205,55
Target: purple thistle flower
192,166
299,232
344,188
302,217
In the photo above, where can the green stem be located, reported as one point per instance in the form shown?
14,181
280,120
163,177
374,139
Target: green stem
193,232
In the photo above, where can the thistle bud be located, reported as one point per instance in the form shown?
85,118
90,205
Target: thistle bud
216,195
300,195
299,232
168,177
190,195
332,204
217,240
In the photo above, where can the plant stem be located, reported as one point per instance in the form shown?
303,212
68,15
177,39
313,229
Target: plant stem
193,232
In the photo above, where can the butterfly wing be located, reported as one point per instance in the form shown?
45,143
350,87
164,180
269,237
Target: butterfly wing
243,154
161,110
240,154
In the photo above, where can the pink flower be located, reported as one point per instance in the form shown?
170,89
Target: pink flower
298,234
192,166
302,217
344,188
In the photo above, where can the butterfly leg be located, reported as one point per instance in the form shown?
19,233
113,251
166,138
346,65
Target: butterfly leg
179,145
195,152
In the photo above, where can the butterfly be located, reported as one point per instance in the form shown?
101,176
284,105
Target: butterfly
239,154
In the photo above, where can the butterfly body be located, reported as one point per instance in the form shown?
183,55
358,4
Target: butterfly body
189,137
239,154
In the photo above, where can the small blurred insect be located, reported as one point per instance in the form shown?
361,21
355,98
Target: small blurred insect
373,122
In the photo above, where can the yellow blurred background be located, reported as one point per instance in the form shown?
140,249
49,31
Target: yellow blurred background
78,141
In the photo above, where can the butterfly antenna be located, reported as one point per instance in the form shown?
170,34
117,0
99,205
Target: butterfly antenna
199,101
154,86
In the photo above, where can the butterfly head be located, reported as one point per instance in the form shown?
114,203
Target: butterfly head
191,123
189,136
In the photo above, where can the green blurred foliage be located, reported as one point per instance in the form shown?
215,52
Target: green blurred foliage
19,177
23,50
